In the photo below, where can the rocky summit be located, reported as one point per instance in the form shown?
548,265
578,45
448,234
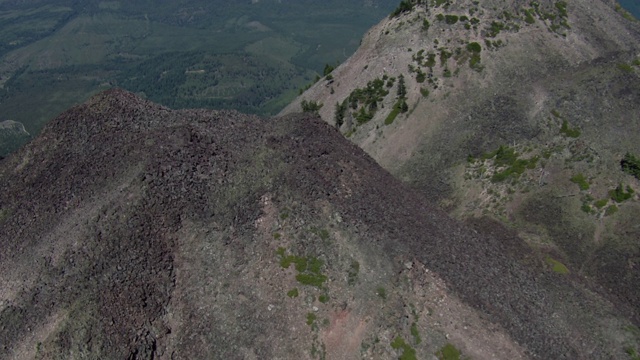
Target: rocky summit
132,231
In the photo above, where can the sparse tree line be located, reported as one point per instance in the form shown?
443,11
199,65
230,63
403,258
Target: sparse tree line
365,102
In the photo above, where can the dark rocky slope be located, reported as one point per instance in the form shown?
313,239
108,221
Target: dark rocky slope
129,230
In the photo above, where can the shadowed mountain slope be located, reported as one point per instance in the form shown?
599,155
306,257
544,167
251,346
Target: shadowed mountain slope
129,230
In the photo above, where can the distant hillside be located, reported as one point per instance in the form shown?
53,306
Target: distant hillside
12,136
523,113
131,231
632,6
247,55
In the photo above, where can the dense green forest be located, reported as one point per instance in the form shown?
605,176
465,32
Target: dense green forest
249,56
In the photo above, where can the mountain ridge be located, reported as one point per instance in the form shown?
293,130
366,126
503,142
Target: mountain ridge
132,230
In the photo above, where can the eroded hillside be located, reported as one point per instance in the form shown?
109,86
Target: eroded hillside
521,112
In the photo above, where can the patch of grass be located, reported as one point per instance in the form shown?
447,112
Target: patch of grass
557,266
444,56
633,353
515,170
363,116
451,19
448,352
633,330
425,25
300,262
474,62
507,158
581,181
415,333
316,280
562,8
324,298
620,195
318,348
314,265
474,47
408,353
352,274
309,268
424,92
322,233
381,292
567,131
625,67
611,210
601,203
495,29
293,293
431,60
528,16
311,318
399,107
